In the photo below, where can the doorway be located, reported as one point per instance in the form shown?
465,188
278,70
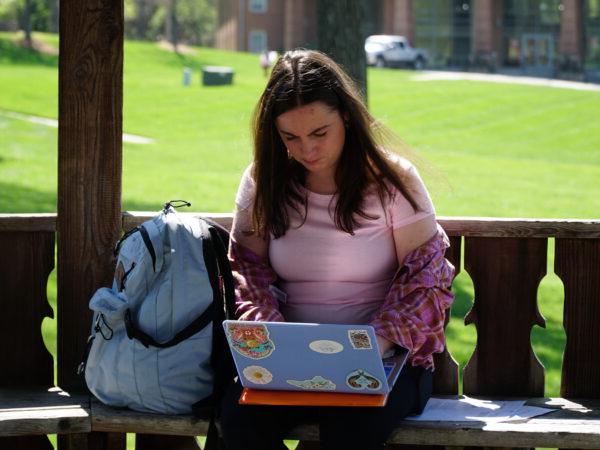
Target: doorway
537,54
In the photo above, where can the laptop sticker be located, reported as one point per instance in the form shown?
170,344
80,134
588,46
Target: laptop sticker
251,341
360,339
257,375
316,383
326,347
361,379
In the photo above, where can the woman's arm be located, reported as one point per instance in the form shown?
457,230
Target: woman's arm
248,254
413,313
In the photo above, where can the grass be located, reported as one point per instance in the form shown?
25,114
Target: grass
503,150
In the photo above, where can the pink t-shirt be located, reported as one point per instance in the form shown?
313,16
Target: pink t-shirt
330,276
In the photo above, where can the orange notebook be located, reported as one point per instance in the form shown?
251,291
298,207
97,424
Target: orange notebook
296,398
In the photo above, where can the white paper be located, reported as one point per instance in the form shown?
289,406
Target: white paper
467,409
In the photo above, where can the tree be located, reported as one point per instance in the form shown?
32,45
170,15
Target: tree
53,13
196,21
29,15
340,33
171,32
189,21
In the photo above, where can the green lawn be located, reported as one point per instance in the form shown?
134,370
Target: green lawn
496,150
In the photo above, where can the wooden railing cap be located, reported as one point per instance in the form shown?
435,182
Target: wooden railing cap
454,226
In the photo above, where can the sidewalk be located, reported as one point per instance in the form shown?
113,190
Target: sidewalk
494,78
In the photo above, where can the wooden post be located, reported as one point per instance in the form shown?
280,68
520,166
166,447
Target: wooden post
89,171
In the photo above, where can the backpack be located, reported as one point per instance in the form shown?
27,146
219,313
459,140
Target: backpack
157,343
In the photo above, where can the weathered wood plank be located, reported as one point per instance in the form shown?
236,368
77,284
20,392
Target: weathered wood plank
28,222
454,226
89,166
26,260
572,426
40,412
575,424
105,418
520,228
577,263
506,273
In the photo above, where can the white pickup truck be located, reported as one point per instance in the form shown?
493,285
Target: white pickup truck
387,50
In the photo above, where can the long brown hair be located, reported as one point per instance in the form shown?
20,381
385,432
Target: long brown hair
298,78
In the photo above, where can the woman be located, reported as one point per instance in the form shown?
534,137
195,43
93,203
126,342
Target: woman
330,227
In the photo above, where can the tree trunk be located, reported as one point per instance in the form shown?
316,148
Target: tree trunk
141,19
26,23
171,23
341,34
53,9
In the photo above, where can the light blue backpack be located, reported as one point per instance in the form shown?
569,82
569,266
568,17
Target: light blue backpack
157,341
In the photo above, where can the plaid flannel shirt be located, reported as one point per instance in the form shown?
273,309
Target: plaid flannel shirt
253,275
414,310
412,314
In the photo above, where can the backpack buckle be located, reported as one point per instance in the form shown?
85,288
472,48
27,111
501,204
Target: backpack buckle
175,204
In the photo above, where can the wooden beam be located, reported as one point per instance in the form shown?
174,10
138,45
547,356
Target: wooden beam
106,418
89,166
571,425
525,228
454,226
28,222
40,412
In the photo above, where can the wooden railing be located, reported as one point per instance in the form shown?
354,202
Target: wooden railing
505,258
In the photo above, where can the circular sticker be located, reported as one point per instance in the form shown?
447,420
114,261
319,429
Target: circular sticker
327,347
257,375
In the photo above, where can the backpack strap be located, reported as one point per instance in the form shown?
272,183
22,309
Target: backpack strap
224,267
133,332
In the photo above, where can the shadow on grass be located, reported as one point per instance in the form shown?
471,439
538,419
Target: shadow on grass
20,199
12,53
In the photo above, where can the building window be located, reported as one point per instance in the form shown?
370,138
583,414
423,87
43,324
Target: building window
257,6
443,28
592,33
257,41
530,33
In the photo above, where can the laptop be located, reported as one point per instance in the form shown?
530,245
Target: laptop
288,363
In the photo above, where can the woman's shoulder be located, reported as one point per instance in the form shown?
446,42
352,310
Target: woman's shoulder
247,188
398,162
397,205
406,171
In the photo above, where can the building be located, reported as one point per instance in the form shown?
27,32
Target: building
257,25
532,37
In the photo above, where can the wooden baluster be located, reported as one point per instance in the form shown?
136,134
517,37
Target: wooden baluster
577,263
506,273
26,260
445,379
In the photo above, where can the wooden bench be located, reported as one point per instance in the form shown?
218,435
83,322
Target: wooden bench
505,258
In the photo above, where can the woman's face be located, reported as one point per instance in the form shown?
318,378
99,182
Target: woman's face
314,135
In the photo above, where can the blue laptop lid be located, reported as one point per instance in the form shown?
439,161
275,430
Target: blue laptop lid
307,356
